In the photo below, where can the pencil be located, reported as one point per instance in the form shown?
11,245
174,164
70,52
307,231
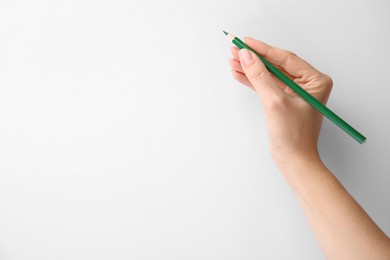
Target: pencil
302,93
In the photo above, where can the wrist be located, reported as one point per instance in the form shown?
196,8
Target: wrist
297,161
301,170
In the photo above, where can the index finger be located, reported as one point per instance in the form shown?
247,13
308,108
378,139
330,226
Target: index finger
287,60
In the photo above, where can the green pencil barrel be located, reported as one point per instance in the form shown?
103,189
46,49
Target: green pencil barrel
305,95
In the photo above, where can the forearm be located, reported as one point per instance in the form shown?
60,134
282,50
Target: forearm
342,227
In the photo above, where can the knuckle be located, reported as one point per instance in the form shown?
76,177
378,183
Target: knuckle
276,103
290,54
257,75
330,81
327,81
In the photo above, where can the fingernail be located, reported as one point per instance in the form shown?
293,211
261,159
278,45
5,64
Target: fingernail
246,57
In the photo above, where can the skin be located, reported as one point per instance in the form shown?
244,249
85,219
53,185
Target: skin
342,228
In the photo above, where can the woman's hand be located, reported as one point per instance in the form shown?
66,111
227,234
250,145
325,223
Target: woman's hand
293,124
341,226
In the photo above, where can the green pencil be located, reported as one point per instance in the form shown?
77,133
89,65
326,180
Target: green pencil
302,93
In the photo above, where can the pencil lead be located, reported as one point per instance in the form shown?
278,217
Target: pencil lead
225,33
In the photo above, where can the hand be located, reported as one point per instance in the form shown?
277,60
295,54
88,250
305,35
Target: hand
341,226
293,124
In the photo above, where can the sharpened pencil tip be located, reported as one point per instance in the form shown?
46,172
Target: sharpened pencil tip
225,33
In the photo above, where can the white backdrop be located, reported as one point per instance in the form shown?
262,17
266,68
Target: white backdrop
124,136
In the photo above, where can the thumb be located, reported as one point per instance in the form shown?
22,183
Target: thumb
259,76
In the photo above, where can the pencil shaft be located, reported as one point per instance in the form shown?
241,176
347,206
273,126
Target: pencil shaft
305,95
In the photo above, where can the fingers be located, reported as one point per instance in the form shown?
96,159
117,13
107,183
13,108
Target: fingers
259,77
242,78
236,65
234,50
237,71
287,60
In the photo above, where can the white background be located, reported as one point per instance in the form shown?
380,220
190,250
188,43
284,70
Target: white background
124,136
